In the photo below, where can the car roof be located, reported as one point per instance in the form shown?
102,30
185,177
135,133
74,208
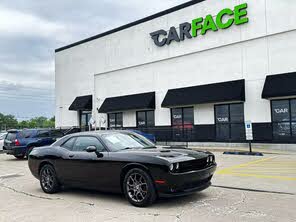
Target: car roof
36,129
100,132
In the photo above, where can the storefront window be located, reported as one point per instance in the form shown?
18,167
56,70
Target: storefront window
145,119
281,111
284,118
183,117
293,110
188,120
115,120
177,117
230,122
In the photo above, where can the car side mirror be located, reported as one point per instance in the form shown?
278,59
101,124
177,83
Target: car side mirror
91,149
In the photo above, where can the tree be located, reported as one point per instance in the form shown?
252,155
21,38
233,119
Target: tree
10,122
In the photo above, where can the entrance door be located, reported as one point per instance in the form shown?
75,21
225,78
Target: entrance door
85,116
182,123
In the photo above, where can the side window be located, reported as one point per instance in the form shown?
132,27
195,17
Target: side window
56,134
69,143
85,141
26,133
43,134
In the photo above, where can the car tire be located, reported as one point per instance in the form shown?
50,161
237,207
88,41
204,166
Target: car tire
138,188
48,179
20,157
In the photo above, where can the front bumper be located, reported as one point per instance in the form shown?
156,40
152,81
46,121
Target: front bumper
15,151
186,183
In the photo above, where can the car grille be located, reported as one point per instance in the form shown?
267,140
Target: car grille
193,165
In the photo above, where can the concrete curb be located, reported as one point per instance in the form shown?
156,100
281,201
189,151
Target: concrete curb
222,150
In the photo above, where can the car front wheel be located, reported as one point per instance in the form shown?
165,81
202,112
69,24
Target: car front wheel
138,188
48,179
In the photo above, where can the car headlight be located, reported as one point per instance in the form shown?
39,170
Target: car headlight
174,166
210,159
171,167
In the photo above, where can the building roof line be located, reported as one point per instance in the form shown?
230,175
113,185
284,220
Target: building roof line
151,17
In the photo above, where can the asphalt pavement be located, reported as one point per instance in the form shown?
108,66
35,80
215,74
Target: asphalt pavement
245,188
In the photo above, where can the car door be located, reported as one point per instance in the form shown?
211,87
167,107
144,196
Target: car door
86,169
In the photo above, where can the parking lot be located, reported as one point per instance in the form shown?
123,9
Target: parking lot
245,188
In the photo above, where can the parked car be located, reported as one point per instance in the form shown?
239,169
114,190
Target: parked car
123,162
2,136
20,143
150,137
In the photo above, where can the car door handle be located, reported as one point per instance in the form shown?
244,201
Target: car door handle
71,155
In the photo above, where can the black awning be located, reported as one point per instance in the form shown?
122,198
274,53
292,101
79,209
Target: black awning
211,93
129,102
280,85
82,103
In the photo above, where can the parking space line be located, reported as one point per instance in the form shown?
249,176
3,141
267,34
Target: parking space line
264,168
261,176
244,165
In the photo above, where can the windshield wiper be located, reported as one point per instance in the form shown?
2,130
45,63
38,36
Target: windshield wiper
127,148
149,147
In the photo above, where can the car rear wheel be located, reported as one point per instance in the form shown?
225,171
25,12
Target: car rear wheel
19,157
48,179
138,188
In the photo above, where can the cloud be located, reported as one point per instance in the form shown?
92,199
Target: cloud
16,23
30,31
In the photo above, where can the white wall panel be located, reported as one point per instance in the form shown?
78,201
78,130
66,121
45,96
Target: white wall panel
256,108
282,52
280,15
128,62
204,114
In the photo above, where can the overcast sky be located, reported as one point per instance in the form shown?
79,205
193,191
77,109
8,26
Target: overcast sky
30,30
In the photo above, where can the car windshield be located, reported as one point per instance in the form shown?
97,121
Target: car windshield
121,141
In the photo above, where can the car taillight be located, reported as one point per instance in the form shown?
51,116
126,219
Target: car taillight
16,142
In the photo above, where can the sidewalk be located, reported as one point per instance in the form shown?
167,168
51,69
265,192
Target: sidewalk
255,149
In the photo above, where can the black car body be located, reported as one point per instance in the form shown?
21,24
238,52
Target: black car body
171,171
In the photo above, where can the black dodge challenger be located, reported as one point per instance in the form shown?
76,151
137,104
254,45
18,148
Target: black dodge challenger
121,161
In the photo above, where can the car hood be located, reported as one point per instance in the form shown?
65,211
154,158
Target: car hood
171,155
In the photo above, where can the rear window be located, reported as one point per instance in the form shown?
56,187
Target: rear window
11,136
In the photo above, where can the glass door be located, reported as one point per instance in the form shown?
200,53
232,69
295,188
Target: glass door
85,116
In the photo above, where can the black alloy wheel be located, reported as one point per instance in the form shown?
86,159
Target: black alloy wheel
138,188
48,179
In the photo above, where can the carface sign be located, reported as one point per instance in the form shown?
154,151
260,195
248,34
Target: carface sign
200,26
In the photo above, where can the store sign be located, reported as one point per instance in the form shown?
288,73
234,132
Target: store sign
177,116
200,26
278,111
223,120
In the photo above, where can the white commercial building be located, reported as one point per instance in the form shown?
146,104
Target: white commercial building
195,72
